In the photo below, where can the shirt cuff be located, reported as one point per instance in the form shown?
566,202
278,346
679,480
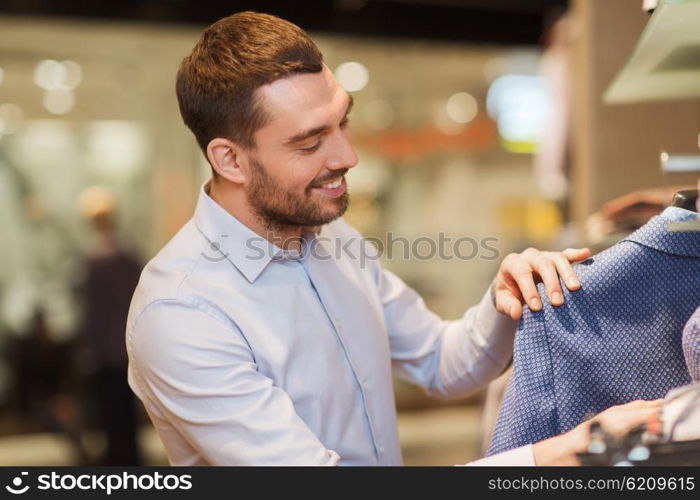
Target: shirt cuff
519,457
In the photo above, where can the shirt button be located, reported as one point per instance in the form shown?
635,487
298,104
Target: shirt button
381,450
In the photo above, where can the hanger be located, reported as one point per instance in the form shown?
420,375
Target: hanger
686,198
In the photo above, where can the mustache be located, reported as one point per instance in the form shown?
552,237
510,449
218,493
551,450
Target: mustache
335,175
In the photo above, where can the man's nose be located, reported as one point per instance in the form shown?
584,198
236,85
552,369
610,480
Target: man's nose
342,154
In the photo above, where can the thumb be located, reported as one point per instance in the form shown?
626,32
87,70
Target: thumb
508,304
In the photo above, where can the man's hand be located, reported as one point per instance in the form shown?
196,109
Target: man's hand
616,420
515,282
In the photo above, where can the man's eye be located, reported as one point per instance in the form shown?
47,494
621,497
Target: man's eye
311,149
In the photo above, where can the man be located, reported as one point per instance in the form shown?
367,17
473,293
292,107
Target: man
252,341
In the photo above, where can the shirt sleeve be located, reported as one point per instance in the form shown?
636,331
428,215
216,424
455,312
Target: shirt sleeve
519,457
446,358
197,369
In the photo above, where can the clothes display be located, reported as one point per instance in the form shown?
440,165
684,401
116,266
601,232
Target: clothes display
616,339
691,345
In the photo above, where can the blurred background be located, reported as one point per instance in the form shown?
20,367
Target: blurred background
472,118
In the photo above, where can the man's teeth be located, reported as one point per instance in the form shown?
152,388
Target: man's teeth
332,185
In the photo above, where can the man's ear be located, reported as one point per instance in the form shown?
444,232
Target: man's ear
226,158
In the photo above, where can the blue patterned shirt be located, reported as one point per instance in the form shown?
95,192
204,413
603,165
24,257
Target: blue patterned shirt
615,340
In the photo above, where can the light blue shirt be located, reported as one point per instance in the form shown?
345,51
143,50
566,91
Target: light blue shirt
246,354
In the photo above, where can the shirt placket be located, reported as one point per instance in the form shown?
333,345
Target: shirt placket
340,334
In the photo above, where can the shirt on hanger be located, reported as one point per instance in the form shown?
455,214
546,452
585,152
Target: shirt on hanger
616,339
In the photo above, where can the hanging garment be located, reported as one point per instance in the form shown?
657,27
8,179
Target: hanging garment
616,339
691,345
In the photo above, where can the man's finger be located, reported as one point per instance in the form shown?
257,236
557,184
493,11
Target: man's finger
521,272
577,254
509,304
646,403
566,271
547,270
621,422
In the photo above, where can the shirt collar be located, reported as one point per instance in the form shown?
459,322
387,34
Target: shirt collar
229,239
660,235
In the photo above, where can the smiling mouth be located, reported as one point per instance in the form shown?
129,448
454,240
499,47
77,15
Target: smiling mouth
333,184
333,188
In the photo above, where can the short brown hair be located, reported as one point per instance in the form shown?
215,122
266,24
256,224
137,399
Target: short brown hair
235,56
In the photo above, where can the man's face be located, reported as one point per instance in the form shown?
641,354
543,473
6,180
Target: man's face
297,169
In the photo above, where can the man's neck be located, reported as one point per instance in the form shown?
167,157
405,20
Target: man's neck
287,238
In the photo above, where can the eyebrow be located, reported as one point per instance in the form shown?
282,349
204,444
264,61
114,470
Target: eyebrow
301,136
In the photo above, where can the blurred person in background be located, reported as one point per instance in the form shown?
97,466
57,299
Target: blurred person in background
110,279
18,281
37,334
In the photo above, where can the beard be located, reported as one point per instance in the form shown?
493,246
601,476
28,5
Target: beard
281,208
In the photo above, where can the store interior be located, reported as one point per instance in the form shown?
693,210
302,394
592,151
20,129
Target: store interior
520,143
